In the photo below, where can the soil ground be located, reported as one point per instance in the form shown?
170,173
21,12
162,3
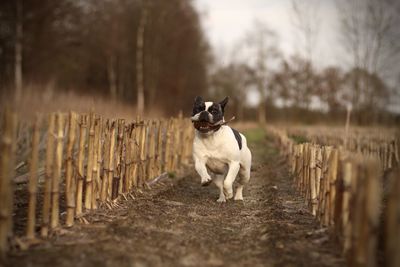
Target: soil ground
179,223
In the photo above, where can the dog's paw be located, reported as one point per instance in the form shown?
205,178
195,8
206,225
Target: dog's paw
240,198
221,199
206,182
228,193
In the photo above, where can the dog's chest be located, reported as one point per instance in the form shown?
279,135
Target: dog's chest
221,146
215,156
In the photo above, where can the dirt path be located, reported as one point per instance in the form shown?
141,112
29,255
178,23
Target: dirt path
183,225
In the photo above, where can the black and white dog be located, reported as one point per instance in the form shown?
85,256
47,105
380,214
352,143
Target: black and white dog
220,152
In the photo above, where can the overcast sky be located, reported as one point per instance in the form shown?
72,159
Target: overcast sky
226,21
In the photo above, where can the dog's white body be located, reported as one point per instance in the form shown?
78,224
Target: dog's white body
217,157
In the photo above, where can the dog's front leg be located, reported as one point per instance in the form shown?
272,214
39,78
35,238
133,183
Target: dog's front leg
230,178
200,166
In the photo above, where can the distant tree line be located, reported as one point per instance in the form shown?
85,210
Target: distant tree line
148,53
296,89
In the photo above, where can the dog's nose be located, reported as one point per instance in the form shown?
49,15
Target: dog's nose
203,116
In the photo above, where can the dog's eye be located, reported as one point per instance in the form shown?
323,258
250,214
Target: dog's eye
197,109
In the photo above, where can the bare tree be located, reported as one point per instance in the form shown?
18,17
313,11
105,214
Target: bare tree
140,59
366,32
231,80
306,21
330,86
18,50
262,52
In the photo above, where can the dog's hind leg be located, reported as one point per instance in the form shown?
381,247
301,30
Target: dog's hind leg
219,182
244,177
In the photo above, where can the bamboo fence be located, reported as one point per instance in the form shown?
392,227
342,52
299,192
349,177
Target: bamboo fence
344,191
86,162
372,142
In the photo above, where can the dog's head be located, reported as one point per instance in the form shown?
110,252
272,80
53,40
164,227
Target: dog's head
206,115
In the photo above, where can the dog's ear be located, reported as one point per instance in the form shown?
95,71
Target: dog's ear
223,103
198,100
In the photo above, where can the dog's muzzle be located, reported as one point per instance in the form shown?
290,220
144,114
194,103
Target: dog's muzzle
203,126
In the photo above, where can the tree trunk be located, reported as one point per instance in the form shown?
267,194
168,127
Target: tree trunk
112,77
140,60
261,113
262,104
240,110
18,52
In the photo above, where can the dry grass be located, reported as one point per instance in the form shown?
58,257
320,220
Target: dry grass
46,99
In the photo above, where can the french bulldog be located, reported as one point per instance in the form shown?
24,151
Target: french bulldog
220,152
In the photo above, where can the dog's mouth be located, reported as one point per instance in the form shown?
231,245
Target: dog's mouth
203,126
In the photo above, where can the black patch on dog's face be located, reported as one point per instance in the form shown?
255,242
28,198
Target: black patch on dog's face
198,105
216,111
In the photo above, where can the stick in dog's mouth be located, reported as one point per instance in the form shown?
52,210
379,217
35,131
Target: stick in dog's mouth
202,126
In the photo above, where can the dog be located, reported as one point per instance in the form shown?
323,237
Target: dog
220,152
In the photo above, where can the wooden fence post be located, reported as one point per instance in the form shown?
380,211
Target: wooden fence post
122,153
7,162
299,166
303,184
318,174
161,146
89,168
81,158
152,147
70,183
142,160
48,175
55,212
111,154
346,227
372,205
33,180
128,157
357,249
96,161
293,163
167,161
133,157
332,184
136,152
178,142
119,160
392,226
159,149
106,151
188,142
324,187
175,145
313,182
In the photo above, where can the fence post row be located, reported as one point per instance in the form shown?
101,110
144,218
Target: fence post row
344,191
102,160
